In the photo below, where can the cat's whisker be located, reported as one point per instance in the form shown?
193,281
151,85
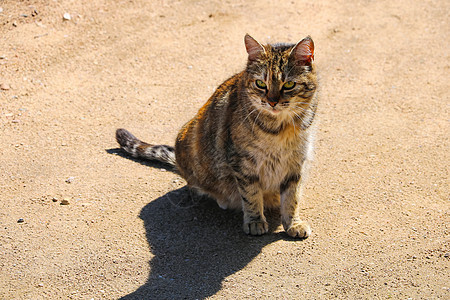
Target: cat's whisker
302,109
297,115
293,123
256,119
255,109
301,105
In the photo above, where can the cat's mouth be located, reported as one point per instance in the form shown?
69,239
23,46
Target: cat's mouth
276,109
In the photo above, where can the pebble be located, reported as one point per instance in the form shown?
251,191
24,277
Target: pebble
65,201
21,220
447,254
40,285
54,199
67,17
70,179
4,86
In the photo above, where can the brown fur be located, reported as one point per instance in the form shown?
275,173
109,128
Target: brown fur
250,144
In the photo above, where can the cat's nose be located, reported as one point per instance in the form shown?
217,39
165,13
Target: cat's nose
272,103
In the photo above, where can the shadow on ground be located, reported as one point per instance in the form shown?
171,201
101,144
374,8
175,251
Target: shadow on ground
195,244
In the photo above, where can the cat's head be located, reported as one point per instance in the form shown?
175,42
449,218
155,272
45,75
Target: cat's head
281,78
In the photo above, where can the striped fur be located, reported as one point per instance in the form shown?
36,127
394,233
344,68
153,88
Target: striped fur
250,144
139,149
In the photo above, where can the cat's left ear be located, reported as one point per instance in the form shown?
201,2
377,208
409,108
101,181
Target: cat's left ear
254,49
303,52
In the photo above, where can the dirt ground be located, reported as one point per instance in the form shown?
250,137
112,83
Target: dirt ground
378,194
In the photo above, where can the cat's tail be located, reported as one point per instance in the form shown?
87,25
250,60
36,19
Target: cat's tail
140,149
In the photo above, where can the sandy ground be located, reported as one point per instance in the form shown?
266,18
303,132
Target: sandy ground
377,199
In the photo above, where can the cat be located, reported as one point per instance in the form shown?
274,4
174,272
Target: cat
250,145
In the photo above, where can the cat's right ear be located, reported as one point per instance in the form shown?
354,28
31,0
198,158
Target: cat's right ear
254,49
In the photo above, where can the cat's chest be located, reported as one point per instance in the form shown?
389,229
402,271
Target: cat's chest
275,163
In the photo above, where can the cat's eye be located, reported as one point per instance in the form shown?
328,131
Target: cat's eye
288,85
260,84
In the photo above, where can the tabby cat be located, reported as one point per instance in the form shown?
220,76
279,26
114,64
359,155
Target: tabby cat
250,145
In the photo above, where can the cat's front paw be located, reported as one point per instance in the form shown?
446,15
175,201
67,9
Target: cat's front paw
256,228
299,229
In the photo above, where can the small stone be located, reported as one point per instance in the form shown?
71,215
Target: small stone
67,17
54,199
65,201
70,179
447,255
14,24
21,220
4,86
40,285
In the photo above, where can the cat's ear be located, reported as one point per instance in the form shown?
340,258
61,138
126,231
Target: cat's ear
303,52
254,49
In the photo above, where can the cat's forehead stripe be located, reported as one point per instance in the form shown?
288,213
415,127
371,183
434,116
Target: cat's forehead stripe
278,65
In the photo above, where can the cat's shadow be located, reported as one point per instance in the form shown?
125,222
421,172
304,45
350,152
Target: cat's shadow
195,244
